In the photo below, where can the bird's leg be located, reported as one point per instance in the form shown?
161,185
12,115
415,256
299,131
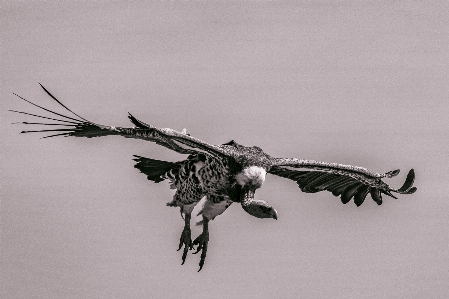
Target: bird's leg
186,238
202,241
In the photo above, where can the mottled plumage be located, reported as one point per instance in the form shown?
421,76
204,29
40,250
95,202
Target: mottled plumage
226,173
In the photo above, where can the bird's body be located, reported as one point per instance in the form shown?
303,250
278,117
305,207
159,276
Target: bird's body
219,179
227,173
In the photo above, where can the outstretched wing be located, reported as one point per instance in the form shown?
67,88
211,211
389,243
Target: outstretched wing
342,180
80,127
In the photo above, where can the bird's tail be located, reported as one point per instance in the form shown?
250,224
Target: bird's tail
64,125
175,172
157,170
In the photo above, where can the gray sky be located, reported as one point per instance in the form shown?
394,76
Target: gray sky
354,82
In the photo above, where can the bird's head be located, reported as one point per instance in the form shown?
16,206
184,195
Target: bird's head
250,179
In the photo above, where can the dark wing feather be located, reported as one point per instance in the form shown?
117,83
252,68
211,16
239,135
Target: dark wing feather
406,188
376,195
345,186
338,188
361,194
349,192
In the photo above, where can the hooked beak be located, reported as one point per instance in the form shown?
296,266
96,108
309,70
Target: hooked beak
255,207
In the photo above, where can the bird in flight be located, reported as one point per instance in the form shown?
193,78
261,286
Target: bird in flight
225,173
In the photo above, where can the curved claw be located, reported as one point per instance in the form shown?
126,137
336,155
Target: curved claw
203,258
185,240
202,241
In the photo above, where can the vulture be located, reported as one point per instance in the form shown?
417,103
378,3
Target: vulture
225,173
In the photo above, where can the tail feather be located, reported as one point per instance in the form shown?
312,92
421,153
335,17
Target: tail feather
156,170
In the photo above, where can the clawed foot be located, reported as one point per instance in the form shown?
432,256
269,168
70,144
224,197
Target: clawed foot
202,241
185,240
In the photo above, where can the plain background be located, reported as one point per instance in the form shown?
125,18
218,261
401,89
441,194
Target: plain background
355,82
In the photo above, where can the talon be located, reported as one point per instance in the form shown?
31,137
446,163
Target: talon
184,256
198,249
203,257
202,242
185,239
187,242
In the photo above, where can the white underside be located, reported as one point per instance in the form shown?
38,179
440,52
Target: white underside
211,210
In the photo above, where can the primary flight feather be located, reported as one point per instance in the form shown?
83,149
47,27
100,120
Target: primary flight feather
224,173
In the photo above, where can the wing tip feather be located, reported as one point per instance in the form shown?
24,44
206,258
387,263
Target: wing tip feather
408,184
